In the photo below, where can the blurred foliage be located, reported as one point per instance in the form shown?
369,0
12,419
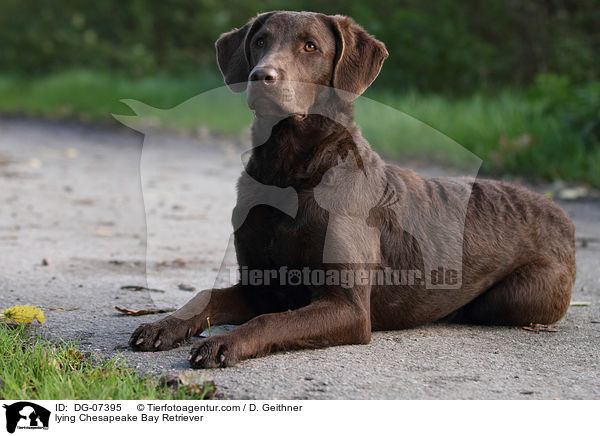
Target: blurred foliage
515,81
577,107
441,45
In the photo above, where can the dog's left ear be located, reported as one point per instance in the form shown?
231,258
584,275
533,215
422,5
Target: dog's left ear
359,56
232,53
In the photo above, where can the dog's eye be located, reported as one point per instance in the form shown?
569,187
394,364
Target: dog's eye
310,46
260,42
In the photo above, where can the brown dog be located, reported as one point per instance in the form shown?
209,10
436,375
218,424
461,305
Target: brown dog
508,254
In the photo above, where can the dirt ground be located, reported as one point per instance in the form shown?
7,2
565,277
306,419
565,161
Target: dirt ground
72,194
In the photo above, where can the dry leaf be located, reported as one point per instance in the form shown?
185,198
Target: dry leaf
141,288
140,312
62,309
76,355
536,328
179,262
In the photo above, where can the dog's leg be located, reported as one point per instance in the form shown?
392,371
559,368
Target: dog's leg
331,321
223,306
535,293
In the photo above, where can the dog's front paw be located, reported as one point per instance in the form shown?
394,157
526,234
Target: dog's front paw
216,351
161,335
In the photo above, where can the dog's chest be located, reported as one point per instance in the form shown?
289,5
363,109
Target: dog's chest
280,228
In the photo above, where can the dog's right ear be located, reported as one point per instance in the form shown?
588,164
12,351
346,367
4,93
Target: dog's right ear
233,54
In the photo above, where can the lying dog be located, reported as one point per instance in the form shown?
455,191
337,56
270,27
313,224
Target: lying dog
511,251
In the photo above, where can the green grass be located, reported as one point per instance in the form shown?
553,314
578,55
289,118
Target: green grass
510,132
93,95
33,368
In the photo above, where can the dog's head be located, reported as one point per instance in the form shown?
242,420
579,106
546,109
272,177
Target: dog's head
286,58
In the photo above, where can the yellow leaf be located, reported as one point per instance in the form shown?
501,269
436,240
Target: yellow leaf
24,314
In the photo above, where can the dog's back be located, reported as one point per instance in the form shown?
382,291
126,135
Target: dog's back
516,251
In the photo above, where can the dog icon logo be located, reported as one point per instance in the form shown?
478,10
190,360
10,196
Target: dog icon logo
26,415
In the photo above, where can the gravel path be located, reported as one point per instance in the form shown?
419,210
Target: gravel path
72,194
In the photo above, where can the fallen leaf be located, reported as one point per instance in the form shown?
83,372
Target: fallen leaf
141,288
180,262
141,312
24,314
75,355
62,309
536,328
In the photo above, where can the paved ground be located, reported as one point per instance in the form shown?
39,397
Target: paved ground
72,194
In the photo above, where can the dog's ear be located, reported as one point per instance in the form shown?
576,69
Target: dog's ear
233,53
359,56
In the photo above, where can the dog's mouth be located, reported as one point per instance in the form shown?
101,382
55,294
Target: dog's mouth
265,107
281,105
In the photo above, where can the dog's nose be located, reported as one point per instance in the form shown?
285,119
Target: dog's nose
266,75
